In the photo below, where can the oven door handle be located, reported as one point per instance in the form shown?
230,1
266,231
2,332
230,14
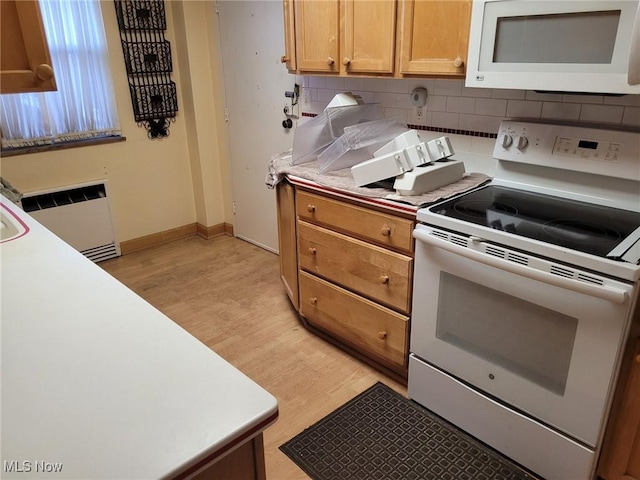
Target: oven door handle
615,295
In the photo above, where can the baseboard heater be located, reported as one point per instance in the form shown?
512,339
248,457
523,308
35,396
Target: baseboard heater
78,214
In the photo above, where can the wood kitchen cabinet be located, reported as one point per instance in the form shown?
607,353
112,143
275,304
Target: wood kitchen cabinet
433,37
285,198
342,36
392,38
289,57
353,272
317,35
246,462
25,62
620,459
368,36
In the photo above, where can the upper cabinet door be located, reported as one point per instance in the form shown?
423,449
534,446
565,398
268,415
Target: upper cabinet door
368,41
434,36
25,62
317,25
289,57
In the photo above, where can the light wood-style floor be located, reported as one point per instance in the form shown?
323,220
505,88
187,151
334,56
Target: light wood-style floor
227,293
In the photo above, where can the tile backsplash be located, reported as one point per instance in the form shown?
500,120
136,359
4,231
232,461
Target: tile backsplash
454,108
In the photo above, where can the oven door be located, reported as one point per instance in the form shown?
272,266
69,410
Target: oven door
546,344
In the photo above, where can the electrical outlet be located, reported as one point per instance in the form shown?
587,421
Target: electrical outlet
306,97
291,111
418,116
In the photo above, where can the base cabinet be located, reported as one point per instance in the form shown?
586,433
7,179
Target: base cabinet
353,272
365,269
620,459
245,463
363,324
285,197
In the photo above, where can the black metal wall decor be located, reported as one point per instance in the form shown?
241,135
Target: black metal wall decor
147,57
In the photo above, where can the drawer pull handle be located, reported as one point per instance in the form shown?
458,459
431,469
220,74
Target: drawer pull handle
458,62
313,300
384,279
312,251
382,335
385,231
311,208
330,61
637,358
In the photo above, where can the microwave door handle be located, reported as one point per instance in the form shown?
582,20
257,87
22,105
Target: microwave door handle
633,73
614,295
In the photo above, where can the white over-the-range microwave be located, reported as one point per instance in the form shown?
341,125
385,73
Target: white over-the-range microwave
590,46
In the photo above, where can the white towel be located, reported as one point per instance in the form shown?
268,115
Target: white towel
279,166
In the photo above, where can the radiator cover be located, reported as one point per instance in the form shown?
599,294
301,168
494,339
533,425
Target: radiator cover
78,214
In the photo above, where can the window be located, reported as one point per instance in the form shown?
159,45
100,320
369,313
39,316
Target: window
84,105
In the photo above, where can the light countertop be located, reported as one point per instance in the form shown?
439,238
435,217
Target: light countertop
98,381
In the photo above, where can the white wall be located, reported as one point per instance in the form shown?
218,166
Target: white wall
159,185
155,185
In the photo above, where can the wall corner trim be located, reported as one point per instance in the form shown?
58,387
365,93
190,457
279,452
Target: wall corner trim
148,241
214,230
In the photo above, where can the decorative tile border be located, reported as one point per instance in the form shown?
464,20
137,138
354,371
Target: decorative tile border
452,131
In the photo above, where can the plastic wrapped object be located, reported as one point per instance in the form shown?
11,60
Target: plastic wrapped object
400,155
426,178
345,98
314,135
358,143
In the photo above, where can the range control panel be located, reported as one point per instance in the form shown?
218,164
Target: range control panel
585,149
591,149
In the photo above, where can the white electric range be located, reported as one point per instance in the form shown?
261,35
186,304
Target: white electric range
524,291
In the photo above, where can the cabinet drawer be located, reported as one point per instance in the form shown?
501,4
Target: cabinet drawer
375,272
363,324
381,228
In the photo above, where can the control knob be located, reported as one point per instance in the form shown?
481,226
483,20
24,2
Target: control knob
506,140
522,143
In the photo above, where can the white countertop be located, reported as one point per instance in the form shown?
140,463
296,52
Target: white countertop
96,379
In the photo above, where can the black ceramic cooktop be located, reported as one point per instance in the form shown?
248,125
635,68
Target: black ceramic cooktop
568,223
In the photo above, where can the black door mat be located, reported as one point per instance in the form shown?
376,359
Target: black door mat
382,435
